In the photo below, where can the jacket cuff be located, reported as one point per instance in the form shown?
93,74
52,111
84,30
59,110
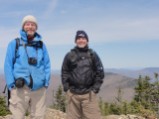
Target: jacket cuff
11,87
65,87
95,90
46,84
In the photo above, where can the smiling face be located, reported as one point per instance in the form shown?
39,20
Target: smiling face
81,42
30,28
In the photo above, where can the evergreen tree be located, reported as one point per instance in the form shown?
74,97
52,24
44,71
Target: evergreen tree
154,93
3,109
59,100
119,95
106,108
115,109
101,106
146,95
125,109
139,90
142,91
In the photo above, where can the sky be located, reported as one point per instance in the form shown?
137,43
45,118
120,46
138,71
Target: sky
124,33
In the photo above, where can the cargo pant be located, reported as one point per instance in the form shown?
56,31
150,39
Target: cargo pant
82,106
23,99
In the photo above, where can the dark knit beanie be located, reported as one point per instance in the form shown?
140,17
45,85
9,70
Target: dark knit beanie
80,34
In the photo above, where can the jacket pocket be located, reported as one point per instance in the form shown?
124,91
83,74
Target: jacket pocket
38,78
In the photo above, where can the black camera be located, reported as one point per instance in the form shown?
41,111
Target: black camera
32,61
19,82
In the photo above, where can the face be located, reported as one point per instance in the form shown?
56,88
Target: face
81,42
30,28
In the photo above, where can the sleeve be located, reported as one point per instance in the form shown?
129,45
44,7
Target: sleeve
99,73
9,64
65,73
47,65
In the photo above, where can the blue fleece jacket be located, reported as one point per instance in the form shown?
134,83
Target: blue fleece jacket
22,69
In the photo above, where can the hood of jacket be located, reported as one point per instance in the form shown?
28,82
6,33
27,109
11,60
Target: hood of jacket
23,35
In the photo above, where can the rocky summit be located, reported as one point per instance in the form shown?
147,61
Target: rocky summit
56,114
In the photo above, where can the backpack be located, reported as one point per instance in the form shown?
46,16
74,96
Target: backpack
75,57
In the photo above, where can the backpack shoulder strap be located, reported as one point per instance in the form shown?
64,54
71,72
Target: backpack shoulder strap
16,48
91,53
41,43
17,45
73,54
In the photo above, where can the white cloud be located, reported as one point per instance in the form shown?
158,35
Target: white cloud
58,37
137,29
104,28
101,31
106,31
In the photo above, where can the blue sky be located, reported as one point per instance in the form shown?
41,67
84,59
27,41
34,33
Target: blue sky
125,33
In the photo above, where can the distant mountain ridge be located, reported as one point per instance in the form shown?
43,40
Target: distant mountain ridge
114,79
134,73
112,82
149,71
152,69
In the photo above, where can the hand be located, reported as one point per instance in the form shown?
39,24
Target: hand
95,91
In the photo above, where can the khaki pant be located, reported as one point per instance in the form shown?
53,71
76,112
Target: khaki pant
23,99
82,106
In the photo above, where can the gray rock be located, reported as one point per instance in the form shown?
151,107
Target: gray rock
56,114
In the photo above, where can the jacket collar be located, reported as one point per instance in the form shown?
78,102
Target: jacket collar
24,36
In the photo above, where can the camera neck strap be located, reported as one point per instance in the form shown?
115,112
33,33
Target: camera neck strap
25,47
31,80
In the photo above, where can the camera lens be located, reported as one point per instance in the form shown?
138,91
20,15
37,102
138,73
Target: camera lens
32,61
